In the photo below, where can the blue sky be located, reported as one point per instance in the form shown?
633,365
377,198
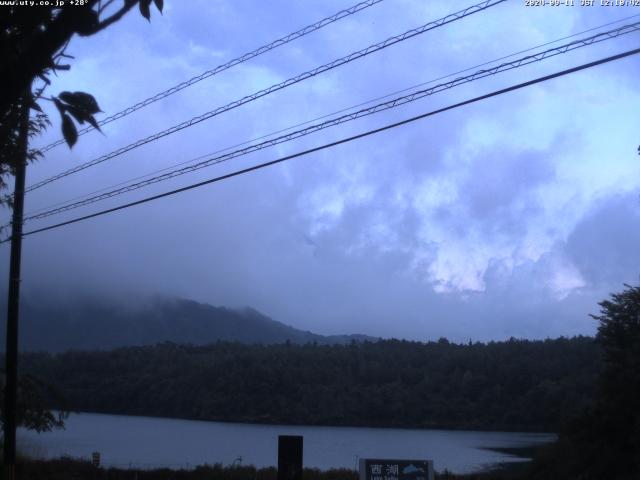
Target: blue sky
509,217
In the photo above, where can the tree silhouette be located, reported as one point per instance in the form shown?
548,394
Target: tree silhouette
604,441
33,42
34,401
617,414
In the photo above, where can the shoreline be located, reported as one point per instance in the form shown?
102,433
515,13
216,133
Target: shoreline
438,427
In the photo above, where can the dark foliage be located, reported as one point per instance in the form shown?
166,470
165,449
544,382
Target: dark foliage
514,385
33,40
65,468
604,441
33,399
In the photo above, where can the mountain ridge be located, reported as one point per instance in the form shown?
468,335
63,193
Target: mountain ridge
90,324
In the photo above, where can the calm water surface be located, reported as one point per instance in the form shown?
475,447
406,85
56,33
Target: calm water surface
146,442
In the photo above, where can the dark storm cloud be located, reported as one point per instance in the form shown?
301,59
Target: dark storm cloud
604,245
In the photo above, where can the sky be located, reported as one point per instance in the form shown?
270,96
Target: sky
510,217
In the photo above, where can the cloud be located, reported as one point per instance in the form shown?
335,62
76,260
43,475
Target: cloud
604,244
509,217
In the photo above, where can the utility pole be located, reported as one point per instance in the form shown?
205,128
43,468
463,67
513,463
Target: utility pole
13,303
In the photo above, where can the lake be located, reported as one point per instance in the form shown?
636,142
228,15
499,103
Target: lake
147,442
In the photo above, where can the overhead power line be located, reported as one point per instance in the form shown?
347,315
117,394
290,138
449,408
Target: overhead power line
398,101
327,115
220,68
338,142
279,86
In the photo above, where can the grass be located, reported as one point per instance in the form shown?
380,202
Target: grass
73,469
67,468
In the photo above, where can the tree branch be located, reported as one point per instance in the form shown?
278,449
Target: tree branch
36,56
128,5
102,8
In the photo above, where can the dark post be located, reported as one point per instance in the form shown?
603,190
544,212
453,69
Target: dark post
289,457
13,303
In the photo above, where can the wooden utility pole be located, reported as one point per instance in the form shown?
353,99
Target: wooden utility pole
13,303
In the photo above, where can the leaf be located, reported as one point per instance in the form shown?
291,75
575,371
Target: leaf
159,4
35,106
144,9
66,96
59,105
87,101
93,123
88,21
81,100
80,115
69,131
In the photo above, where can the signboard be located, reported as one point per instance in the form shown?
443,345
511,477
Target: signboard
377,469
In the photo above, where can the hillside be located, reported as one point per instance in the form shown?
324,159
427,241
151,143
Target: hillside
513,385
89,324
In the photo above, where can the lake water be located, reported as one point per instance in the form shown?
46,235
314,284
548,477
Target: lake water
146,442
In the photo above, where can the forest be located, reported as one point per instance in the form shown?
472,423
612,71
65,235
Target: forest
585,389
512,385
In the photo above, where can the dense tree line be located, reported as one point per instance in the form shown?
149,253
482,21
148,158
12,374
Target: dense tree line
603,441
517,384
